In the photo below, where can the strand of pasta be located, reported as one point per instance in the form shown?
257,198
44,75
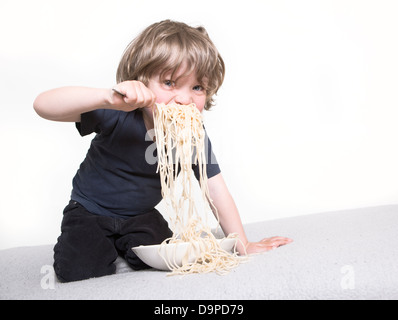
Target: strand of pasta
180,141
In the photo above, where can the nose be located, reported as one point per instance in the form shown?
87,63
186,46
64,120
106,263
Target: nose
183,98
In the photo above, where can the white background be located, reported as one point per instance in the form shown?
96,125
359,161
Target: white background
306,120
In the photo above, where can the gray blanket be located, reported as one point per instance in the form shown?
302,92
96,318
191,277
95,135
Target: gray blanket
348,254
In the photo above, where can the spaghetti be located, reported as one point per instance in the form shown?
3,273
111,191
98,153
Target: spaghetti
180,141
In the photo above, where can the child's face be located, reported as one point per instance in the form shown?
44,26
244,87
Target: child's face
185,90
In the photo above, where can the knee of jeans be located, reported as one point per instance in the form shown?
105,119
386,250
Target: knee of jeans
68,269
67,272
61,275
134,262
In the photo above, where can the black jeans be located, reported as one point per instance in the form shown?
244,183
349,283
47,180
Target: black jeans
89,243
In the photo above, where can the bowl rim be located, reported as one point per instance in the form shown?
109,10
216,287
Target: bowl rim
177,243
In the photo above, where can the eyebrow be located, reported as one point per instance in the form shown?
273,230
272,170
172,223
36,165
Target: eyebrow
167,75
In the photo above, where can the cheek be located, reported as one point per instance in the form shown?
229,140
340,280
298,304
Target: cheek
200,103
200,108
161,97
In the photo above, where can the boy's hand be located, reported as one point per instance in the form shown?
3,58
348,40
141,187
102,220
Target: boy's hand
134,94
266,244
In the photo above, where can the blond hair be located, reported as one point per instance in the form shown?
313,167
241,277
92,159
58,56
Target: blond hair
164,47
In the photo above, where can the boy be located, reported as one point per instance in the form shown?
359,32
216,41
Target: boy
115,189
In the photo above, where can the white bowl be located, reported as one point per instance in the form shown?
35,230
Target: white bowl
174,252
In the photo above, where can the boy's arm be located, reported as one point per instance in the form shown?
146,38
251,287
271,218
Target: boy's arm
68,103
230,219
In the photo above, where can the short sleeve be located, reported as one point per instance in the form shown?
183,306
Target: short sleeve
212,167
98,121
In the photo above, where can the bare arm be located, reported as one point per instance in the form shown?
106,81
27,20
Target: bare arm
227,211
68,103
230,219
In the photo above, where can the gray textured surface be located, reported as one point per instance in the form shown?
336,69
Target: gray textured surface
335,255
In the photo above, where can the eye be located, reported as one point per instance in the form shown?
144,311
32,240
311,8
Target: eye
169,83
198,88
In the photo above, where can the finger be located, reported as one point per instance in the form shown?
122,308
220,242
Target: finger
153,98
134,95
274,243
279,243
118,91
264,248
277,239
148,95
118,98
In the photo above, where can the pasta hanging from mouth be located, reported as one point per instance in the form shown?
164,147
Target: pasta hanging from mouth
180,141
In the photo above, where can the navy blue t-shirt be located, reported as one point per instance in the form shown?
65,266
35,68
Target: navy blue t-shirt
118,176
